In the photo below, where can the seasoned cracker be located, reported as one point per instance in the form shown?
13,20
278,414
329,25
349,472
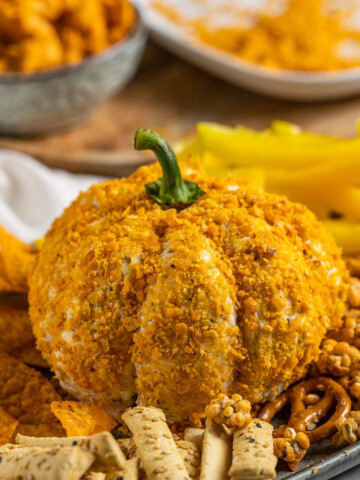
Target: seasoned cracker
190,453
103,446
195,435
253,452
130,472
36,463
216,452
80,419
155,444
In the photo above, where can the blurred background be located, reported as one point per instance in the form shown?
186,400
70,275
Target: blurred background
61,60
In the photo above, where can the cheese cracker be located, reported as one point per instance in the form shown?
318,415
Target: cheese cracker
36,463
155,444
216,453
253,453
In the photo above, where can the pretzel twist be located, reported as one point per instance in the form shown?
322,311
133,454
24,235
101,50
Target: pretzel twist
302,416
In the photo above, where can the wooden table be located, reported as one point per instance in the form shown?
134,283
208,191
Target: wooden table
172,96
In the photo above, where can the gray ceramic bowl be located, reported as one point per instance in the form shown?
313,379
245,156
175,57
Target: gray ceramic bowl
44,102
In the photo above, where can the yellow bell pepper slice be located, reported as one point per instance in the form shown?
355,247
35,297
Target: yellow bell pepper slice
346,234
242,146
319,171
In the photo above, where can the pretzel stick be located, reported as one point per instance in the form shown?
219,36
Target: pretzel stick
155,444
190,454
216,454
195,435
57,463
106,449
253,457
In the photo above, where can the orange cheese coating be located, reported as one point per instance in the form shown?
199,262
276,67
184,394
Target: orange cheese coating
233,293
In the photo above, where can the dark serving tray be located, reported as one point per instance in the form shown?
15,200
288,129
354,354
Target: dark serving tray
322,462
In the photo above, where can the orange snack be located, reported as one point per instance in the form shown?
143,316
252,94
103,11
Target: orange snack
26,396
232,411
350,330
291,446
41,34
16,259
348,432
15,327
8,427
16,337
338,358
30,355
82,419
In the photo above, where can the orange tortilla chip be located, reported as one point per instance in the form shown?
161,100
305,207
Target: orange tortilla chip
41,430
16,336
30,355
25,394
8,427
16,259
80,419
15,327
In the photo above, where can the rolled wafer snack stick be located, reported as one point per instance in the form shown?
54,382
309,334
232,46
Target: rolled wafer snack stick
155,444
103,445
37,463
190,453
253,452
195,435
216,452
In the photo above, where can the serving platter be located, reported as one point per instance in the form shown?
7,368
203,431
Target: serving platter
322,462
278,83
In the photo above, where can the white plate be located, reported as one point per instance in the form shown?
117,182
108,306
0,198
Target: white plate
277,83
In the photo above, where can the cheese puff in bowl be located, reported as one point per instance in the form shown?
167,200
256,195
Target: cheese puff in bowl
61,58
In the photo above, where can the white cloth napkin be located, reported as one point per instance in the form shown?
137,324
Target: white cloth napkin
32,195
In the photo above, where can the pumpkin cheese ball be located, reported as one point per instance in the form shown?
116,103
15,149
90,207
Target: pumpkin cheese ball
183,290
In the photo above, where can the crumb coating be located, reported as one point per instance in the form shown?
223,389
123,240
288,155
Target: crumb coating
232,294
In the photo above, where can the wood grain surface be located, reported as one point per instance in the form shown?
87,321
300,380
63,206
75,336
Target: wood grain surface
172,96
